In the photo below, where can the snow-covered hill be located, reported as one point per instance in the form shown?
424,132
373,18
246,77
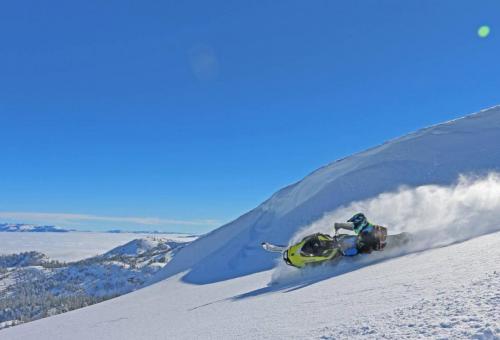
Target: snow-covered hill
76,245
33,286
445,286
32,258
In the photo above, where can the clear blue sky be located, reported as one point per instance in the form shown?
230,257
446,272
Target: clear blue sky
182,115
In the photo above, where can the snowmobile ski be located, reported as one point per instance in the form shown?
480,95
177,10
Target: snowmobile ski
273,248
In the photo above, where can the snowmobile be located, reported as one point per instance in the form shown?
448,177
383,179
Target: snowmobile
321,248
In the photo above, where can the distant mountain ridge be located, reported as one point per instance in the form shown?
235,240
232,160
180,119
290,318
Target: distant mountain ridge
20,227
153,232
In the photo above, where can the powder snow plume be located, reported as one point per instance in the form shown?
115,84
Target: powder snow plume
436,215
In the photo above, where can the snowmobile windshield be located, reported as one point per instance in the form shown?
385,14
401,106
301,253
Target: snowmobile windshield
316,247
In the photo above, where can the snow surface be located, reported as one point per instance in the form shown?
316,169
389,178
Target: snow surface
446,285
451,292
72,246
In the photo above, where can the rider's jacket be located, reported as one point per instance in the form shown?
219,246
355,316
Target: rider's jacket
371,237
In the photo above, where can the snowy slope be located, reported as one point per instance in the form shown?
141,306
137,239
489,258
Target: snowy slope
446,285
435,155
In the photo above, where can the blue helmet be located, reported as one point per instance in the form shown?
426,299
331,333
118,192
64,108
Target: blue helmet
359,220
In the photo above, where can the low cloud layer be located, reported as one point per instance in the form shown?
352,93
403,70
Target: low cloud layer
68,219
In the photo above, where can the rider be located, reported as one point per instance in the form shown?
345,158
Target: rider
369,236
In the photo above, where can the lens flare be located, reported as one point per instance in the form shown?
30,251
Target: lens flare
483,31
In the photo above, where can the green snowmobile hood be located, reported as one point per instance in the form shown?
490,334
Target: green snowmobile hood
299,259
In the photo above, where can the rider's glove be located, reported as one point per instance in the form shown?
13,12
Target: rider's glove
344,225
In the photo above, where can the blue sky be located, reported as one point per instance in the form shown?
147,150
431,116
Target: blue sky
182,115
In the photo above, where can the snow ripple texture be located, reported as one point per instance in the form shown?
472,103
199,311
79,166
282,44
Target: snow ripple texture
469,312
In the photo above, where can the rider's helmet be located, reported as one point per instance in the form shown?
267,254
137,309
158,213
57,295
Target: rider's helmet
359,220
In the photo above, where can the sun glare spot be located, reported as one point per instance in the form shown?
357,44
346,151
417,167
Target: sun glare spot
483,31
